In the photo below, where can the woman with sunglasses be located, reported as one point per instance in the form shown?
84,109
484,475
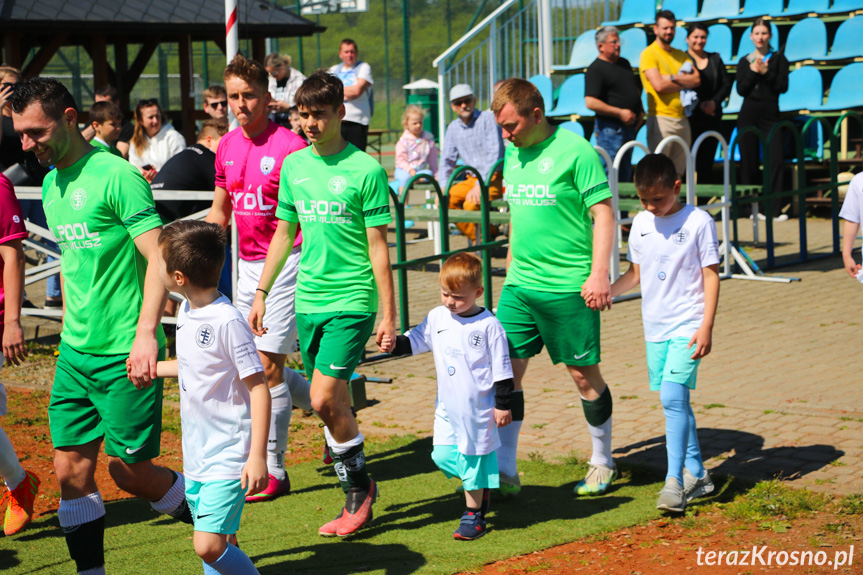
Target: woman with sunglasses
153,142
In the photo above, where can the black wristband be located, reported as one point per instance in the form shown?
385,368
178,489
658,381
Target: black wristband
503,393
263,290
403,346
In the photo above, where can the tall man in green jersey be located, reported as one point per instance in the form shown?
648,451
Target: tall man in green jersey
557,267
340,197
103,216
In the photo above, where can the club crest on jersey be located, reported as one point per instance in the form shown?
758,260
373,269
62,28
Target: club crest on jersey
476,339
545,165
16,219
450,370
661,276
205,336
337,184
680,236
267,165
78,199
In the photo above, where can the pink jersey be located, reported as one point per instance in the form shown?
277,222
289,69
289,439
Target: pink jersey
11,227
249,170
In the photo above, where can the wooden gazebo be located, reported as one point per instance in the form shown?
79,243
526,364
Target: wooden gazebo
46,25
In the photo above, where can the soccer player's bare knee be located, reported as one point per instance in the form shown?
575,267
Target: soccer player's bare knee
274,367
209,546
141,478
588,380
76,471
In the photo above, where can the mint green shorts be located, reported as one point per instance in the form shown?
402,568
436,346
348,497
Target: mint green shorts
333,343
560,321
671,361
475,471
217,505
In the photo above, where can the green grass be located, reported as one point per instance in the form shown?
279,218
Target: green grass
411,533
770,500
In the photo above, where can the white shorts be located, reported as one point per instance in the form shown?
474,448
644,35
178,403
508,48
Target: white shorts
280,318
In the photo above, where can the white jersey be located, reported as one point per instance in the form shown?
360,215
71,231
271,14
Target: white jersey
215,351
852,207
470,354
359,109
671,252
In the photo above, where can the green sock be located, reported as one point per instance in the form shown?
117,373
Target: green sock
597,411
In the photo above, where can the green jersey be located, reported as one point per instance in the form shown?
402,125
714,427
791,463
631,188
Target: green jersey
550,188
334,199
100,145
95,208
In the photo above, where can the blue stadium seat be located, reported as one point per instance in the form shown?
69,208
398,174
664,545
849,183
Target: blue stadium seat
546,90
684,10
634,12
632,42
758,8
719,40
718,158
573,127
679,41
805,90
840,6
584,52
735,100
570,99
797,7
846,43
746,46
846,90
807,40
718,9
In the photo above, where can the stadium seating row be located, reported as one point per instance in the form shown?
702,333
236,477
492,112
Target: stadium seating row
644,12
806,40
805,92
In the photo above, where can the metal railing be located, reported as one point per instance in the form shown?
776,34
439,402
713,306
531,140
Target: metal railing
518,39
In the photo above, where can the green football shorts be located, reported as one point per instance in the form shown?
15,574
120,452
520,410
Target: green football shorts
560,321
92,398
333,342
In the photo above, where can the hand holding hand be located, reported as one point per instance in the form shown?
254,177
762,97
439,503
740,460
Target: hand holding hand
502,417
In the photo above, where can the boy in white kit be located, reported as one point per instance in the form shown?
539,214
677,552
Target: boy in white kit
674,254
852,213
224,397
475,385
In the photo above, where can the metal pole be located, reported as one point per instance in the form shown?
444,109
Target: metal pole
545,37
406,39
299,39
232,35
387,61
204,65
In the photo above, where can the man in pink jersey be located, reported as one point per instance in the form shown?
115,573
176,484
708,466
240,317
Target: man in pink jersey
248,165
22,484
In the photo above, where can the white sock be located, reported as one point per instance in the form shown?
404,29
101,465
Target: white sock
339,448
280,421
601,439
300,389
173,498
10,468
93,571
81,510
506,454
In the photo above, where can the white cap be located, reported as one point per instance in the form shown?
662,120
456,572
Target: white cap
460,91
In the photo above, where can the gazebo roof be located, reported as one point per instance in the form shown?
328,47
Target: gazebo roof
136,19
